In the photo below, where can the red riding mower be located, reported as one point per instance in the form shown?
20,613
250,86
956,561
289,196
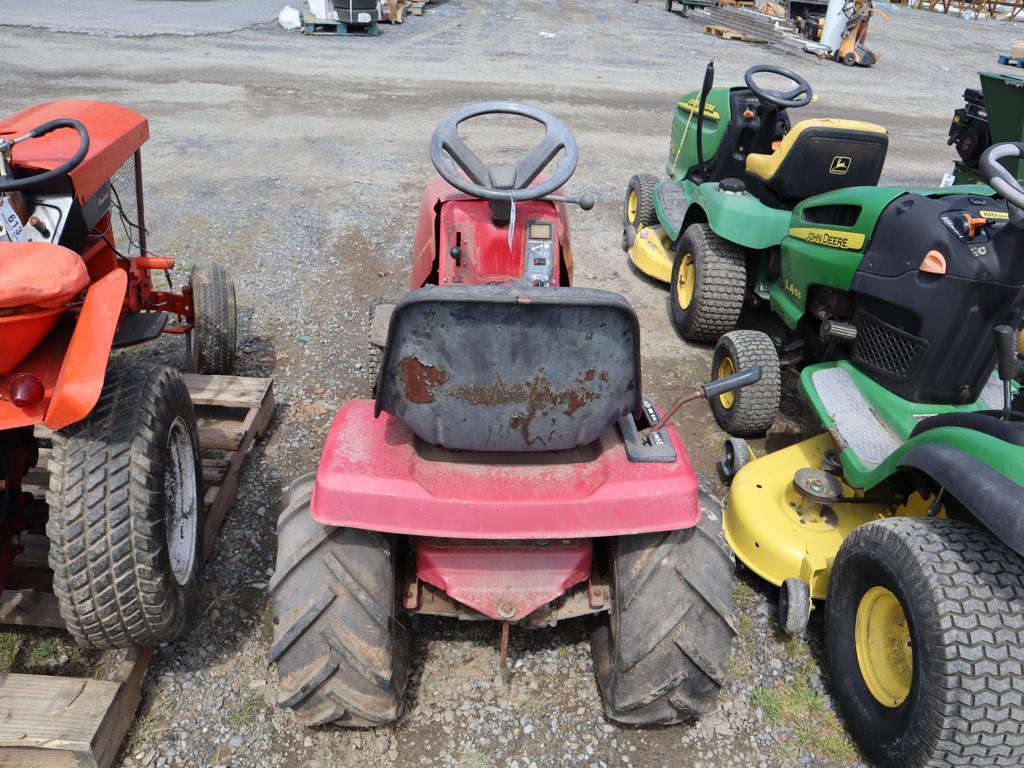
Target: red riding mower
125,502
509,469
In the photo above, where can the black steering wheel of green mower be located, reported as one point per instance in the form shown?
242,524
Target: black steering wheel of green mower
799,96
449,153
8,184
998,177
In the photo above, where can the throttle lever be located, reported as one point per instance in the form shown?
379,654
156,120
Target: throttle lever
1006,355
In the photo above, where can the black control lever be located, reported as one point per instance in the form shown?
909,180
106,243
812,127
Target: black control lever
585,201
1006,353
705,89
714,388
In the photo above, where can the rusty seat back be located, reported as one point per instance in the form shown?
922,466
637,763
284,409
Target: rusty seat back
500,368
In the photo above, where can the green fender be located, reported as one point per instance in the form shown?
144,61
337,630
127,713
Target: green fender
737,217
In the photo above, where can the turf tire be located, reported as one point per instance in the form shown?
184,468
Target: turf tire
962,592
214,336
754,407
342,652
662,655
646,216
109,502
720,285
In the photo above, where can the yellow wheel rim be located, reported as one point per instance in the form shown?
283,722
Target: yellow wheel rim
726,368
884,653
632,203
685,280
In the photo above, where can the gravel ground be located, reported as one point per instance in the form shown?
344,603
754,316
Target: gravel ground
299,163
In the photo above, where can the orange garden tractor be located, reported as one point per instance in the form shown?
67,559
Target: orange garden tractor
509,469
125,503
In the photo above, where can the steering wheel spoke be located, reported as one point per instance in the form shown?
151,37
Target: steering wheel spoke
530,167
466,159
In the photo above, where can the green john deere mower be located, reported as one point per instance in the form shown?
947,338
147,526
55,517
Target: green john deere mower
907,514
763,212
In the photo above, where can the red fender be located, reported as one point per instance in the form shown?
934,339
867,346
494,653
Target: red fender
85,363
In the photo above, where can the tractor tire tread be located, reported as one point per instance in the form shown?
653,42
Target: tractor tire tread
216,322
674,629
721,285
756,406
646,214
342,654
111,575
972,715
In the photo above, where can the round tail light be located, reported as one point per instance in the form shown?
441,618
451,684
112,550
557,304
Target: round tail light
25,390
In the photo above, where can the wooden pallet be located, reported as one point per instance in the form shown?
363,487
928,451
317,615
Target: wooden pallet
730,34
73,722
311,25
1011,61
416,8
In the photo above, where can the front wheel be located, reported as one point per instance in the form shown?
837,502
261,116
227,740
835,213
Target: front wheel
212,341
663,653
709,284
925,641
749,411
126,512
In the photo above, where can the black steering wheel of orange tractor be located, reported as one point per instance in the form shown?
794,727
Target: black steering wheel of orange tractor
800,95
449,153
10,184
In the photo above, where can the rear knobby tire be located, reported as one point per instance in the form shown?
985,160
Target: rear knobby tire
662,655
962,594
749,411
719,284
342,652
214,334
126,512
374,345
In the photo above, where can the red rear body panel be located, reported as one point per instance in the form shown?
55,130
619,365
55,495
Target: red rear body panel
375,475
115,133
506,582
448,218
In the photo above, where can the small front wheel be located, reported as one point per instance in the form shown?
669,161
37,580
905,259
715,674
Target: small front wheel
794,606
211,343
749,411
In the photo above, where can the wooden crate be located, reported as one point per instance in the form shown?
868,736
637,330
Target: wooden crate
52,722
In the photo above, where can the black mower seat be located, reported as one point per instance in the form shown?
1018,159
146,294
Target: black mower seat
822,155
987,422
501,368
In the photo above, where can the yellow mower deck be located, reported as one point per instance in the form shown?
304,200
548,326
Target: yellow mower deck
778,534
651,253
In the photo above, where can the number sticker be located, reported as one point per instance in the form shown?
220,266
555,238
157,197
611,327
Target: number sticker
11,223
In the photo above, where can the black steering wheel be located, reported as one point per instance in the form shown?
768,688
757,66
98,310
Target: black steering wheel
9,184
449,153
799,96
998,177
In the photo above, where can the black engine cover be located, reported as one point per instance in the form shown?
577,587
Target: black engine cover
928,337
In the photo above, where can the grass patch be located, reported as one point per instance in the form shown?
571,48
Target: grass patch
146,729
742,594
816,728
745,625
471,758
246,710
36,651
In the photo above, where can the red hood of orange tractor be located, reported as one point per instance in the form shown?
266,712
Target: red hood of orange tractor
115,133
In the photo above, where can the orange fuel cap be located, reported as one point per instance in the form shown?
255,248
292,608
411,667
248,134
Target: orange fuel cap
934,263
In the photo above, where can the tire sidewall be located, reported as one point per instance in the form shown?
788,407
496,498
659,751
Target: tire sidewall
631,187
880,730
722,414
682,318
186,597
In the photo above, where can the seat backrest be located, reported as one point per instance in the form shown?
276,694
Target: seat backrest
501,368
823,155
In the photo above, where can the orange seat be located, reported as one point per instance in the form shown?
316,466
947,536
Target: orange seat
41,275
